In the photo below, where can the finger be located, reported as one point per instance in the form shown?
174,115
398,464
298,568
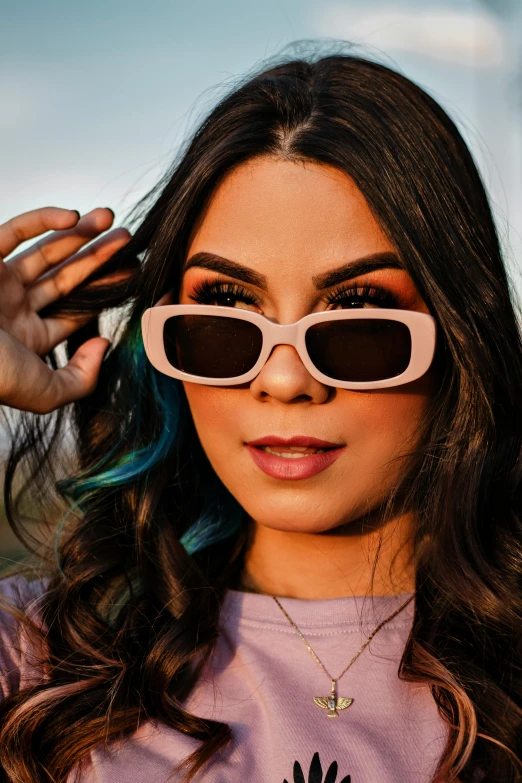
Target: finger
77,379
59,329
31,263
31,224
68,276
44,390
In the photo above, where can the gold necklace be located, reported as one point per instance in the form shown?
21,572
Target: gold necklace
332,703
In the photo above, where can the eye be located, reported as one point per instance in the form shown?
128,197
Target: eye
357,296
227,294
219,292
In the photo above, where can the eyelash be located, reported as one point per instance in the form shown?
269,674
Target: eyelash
207,291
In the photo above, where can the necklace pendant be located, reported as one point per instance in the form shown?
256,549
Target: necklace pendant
332,703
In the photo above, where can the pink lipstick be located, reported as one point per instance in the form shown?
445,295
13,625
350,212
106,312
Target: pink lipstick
293,458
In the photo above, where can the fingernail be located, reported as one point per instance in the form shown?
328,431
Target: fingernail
111,210
75,210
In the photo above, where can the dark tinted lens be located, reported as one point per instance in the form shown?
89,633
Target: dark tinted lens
359,349
211,346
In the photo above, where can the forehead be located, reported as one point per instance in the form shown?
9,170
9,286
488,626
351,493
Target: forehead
284,218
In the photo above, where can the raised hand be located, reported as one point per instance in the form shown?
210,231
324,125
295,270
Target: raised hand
29,281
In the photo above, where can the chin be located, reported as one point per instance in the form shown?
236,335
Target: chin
305,516
299,527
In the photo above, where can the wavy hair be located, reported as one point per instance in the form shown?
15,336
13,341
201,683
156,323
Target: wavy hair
151,538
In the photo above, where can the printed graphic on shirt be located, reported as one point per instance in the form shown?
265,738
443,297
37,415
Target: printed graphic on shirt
315,774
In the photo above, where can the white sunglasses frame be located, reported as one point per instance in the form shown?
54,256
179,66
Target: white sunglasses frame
422,326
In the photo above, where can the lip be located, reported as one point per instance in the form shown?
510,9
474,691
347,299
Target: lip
293,469
296,440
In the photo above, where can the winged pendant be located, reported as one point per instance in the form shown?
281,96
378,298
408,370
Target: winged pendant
332,704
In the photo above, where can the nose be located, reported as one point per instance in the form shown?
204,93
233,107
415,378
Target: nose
285,378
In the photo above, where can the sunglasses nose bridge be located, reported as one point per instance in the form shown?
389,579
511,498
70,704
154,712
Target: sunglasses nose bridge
283,334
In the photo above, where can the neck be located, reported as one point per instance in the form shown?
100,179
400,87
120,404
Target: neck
357,559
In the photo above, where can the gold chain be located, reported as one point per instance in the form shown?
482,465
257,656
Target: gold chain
336,679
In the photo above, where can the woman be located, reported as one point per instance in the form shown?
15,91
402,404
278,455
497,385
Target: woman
284,511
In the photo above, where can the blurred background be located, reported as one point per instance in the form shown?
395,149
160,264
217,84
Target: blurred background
96,97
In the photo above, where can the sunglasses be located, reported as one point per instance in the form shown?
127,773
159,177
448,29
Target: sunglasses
350,349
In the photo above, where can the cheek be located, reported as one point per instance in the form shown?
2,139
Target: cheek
214,411
376,425
386,423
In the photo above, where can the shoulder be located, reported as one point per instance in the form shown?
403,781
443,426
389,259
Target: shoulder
23,591
20,662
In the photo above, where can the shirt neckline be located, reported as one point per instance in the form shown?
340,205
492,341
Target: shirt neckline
321,613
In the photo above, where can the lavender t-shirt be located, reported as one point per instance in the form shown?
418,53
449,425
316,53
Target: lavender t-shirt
262,681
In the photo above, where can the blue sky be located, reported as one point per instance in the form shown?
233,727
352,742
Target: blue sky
95,97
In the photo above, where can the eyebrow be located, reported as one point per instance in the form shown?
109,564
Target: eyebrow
356,268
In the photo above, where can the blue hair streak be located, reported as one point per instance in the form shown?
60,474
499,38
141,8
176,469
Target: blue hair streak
222,514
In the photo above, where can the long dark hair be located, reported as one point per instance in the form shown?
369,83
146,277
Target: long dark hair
152,538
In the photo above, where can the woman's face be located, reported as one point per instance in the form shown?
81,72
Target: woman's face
281,226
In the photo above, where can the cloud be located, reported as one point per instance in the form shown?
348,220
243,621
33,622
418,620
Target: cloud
473,38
